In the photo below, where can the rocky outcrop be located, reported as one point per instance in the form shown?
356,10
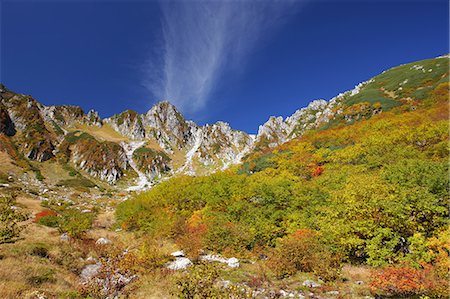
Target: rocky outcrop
128,123
35,140
223,146
168,127
318,112
104,160
70,115
151,162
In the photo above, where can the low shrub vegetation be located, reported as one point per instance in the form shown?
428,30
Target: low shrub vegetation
372,193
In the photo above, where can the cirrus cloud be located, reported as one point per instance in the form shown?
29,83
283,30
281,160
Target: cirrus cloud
201,40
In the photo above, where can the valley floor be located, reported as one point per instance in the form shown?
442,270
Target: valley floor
42,264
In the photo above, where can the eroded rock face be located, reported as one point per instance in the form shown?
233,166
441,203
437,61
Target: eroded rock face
214,146
223,146
101,159
67,115
35,141
168,126
6,125
272,133
127,123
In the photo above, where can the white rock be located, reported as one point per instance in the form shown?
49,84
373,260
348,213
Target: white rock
233,262
64,237
179,263
311,284
177,254
103,241
90,270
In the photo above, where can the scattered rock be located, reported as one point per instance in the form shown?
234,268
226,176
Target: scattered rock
36,295
90,271
359,282
231,262
225,283
179,263
103,241
86,211
91,259
333,293
177,254
311,284
64,237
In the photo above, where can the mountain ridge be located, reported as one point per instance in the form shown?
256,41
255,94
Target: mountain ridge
171,144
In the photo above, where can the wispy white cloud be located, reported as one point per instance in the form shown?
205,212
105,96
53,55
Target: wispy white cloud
203,39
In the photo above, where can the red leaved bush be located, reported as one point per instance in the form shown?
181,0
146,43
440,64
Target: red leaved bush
317,171
406,281
42,214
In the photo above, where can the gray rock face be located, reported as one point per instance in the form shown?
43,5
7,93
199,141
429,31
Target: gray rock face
6,124
104,160
128,123
318,112
277,131
70,115
166,124
214,146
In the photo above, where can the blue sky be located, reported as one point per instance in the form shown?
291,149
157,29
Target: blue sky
238,62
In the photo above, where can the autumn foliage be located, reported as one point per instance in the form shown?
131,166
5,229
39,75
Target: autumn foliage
43,214
406,281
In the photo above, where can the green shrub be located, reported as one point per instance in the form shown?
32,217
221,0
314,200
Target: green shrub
199,282
50,221
75,223
44,275
304,251
9,219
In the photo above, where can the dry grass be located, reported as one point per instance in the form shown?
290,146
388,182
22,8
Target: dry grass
103,133
156,285
21,272
8,165
53,172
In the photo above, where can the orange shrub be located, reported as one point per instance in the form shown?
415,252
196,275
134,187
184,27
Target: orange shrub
191,239
304,251
317,171
408,281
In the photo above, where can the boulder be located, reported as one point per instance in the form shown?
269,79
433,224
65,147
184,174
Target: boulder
103,241
179,263
233,262
90,271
